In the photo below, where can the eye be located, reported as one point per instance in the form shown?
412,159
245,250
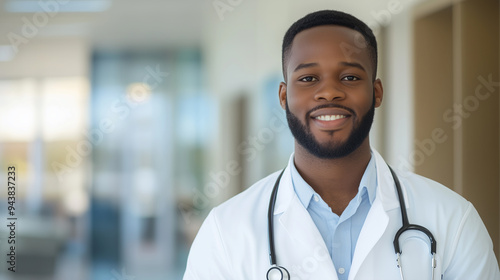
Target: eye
308,79
350,78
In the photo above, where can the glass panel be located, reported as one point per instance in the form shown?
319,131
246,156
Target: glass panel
64,108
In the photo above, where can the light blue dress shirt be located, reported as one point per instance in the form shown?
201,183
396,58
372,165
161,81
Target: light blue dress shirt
339,233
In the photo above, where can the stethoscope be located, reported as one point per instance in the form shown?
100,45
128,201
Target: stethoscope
277,272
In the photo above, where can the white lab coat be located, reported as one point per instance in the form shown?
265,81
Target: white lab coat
233,241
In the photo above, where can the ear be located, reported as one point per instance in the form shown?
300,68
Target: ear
378,92
282,95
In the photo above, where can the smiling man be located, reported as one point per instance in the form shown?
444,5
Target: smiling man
335,210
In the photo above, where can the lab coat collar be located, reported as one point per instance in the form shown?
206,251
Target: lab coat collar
285,189
386,189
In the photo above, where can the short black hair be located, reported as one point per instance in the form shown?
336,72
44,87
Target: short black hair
329,17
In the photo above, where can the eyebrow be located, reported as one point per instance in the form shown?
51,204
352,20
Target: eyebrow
314,64
353,64
305,65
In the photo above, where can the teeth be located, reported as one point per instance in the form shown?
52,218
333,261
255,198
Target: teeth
330,117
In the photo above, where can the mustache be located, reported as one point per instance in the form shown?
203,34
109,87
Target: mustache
331,105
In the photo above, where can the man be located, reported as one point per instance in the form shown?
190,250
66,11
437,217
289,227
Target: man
337,210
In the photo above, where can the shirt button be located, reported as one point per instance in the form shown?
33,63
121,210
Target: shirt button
341,270
316,198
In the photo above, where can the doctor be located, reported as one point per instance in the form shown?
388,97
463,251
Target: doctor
336,210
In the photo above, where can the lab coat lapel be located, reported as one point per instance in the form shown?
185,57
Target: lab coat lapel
377,220
299,245
375,225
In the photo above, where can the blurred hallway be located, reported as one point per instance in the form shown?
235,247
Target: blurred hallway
127,122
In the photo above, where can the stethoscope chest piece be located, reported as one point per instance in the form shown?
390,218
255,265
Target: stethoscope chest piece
277,273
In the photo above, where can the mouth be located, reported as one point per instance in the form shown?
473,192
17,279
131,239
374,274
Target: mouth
330,118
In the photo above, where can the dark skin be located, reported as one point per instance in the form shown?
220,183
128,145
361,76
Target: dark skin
332,70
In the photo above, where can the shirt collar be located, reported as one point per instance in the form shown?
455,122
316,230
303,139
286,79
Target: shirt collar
305,192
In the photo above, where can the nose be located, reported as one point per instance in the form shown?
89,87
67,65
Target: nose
329,91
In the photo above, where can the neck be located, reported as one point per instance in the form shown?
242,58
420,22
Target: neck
335,180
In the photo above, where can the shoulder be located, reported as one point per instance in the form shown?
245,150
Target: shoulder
421,189
229,230
433,204
464,243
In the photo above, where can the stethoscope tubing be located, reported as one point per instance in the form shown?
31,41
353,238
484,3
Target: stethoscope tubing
406,224
405,227
270,220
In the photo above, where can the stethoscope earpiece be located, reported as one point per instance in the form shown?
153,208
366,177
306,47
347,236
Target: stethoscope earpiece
277,273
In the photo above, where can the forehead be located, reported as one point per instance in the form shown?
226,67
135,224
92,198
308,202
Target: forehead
329,44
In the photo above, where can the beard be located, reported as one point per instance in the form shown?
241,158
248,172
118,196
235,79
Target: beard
332,149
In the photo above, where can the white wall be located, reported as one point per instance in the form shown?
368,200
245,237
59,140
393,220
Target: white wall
399,90
49,57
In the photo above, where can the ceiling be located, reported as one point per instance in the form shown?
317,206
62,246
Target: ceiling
124,24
